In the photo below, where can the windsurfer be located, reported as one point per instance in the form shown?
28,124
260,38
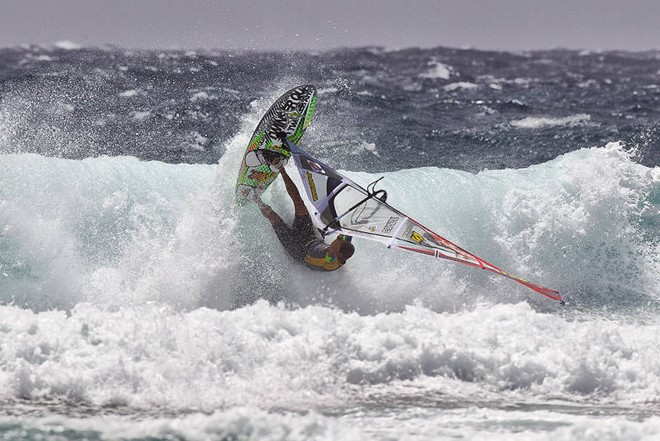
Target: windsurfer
300,240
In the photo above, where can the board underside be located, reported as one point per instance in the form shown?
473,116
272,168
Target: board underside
288,117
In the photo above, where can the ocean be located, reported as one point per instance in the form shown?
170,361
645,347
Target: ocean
138,301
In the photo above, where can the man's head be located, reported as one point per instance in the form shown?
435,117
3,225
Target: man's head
342,249
276,161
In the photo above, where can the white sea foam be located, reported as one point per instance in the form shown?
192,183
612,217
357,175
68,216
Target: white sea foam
67,45
141,115
371,147
199,141
438,71
154,357
542,122
129,93
200,96
462,85
327,90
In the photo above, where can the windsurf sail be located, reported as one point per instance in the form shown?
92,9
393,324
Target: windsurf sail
342,206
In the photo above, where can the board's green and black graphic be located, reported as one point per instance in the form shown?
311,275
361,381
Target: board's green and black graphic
266,153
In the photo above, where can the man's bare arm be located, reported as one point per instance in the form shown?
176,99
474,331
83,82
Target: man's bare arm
299,205
267,211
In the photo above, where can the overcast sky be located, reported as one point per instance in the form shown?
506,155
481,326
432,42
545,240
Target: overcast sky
316,24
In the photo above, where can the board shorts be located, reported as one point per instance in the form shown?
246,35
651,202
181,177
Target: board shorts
295,239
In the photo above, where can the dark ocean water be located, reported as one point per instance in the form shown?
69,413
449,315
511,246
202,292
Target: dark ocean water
132,286
444,107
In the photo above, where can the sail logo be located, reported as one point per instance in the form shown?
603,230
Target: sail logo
315,167
389,226
416,237
312,187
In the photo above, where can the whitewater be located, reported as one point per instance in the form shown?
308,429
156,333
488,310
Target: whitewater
139,301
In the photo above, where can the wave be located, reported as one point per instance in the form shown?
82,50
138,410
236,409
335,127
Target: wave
156,359
122,281
119,231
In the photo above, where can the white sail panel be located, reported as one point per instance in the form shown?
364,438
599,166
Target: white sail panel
343,206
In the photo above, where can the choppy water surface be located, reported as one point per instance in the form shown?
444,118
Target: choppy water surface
137,301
